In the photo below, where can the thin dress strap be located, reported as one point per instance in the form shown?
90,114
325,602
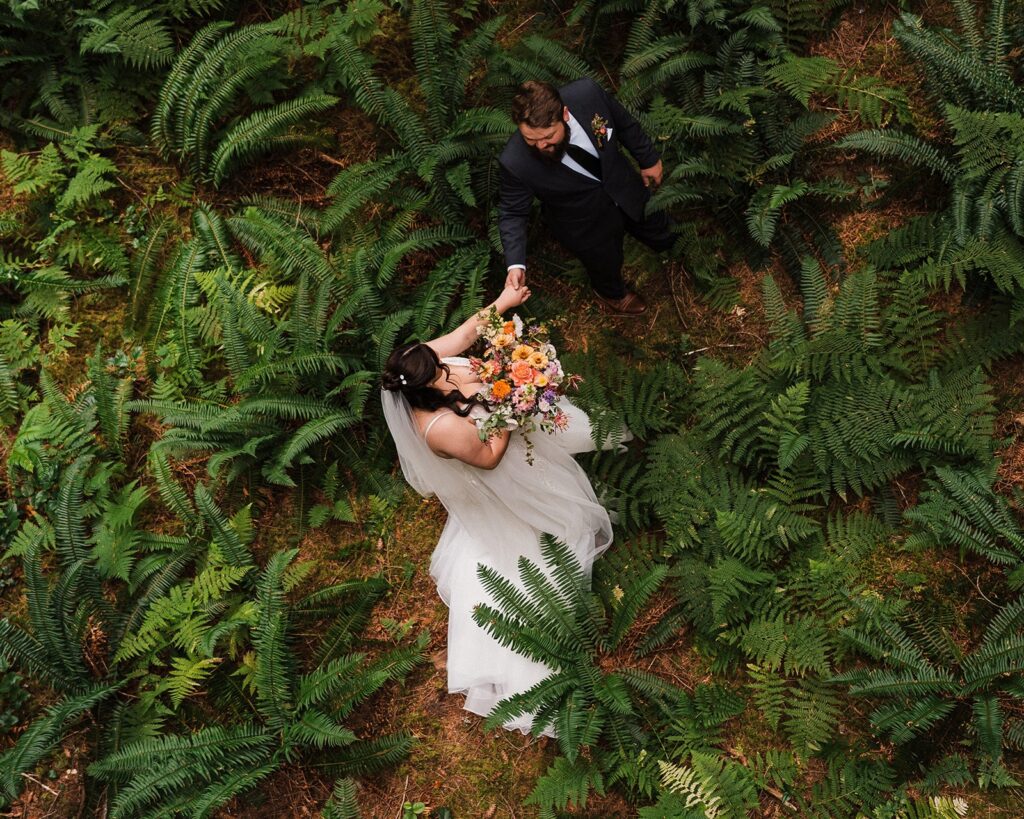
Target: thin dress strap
434,421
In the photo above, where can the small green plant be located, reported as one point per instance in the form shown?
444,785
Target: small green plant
410,810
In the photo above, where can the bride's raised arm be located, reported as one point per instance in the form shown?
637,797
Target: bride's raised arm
462,337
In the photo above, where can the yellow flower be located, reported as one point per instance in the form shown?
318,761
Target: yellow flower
503,340
522,352
540,380
538,360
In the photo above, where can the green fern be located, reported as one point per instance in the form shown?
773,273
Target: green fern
342,804
554,619
960,509
263,129
44,734
566,783
201,89
918,689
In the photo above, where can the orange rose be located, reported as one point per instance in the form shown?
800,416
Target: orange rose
522,373
538,360
522,352
500,389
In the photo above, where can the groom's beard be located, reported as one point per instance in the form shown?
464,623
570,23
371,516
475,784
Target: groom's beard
555,153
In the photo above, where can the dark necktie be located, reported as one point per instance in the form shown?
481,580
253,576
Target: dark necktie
585,159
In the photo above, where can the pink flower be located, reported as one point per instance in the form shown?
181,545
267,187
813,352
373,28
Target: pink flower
522,373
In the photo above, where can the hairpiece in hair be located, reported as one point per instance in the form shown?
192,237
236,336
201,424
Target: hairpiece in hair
402,379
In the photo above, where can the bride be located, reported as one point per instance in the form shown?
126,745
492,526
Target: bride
498,504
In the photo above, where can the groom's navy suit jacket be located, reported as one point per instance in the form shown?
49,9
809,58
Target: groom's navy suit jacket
576,208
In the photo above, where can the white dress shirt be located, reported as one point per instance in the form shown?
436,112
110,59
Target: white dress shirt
577,136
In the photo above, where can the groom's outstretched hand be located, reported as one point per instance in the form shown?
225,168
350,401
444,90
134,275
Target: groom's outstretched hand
516,277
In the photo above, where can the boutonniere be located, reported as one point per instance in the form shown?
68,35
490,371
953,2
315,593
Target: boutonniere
599,127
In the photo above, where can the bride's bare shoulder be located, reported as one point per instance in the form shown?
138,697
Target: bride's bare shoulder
441,428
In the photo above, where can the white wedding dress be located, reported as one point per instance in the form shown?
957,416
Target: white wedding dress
494,518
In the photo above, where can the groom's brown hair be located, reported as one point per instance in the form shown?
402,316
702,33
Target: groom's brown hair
538,104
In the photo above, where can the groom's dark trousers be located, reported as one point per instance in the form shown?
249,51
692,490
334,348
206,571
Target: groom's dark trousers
589,217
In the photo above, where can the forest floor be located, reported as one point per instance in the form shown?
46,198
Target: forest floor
454,762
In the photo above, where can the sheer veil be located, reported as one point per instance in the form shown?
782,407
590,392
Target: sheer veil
415,457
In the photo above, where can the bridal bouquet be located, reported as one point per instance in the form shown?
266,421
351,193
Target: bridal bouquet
522,378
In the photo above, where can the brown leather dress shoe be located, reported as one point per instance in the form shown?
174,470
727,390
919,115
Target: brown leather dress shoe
629,305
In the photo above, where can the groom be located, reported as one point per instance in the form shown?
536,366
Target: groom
566,153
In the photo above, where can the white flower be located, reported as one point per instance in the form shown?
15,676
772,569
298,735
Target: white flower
518,322
543,406
548,350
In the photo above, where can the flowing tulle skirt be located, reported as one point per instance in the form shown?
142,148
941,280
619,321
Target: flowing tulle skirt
565,505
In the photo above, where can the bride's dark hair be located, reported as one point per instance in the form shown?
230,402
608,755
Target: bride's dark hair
411,368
